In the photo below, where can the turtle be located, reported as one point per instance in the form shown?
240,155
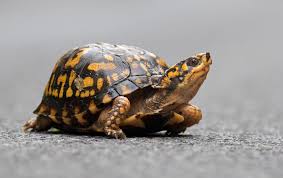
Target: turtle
117,89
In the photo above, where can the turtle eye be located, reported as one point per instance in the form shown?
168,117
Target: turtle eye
193,61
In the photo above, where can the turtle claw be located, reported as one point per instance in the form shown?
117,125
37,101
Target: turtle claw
118,134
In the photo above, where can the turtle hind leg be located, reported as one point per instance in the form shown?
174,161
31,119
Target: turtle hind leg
110,119
183,117
38,124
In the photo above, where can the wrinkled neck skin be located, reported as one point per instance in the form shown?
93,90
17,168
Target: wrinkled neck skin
167,99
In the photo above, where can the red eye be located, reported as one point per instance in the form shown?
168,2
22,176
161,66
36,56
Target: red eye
193,62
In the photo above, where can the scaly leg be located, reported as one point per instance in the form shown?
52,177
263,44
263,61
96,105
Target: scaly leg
40,123
191,116
110,118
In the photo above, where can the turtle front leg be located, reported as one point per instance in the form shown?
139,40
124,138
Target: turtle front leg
110,118
184,116
40,123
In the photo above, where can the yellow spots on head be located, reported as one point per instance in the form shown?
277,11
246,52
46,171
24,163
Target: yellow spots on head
62,80
75,60
108,57
88,82
106,99
173,73
161,62
92,107
101,66
115,76
99,83
92,92
185,67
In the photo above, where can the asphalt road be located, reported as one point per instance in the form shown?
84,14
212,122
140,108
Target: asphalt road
241,134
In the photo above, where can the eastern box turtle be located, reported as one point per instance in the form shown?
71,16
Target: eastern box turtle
118,89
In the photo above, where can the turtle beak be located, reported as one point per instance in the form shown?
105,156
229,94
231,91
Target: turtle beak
206,59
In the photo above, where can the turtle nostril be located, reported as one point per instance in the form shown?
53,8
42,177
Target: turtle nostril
207,55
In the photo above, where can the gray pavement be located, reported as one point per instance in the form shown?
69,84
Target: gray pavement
241,134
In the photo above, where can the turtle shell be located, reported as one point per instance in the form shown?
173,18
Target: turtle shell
85,79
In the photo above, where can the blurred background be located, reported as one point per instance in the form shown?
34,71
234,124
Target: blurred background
243,91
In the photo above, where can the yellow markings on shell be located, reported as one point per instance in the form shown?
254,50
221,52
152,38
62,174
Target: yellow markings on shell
74,61
115,76
161,62
62,80
69,92
87,82
108,57
42,108
85,94
92,107
50,84
52,115
79,116
101,66
99,83
77,93
92,92
106,99
66,120
81,119
55,93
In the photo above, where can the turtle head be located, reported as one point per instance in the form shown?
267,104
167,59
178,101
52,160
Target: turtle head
187,75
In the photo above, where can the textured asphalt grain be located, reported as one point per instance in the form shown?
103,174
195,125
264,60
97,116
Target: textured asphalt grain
241,134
